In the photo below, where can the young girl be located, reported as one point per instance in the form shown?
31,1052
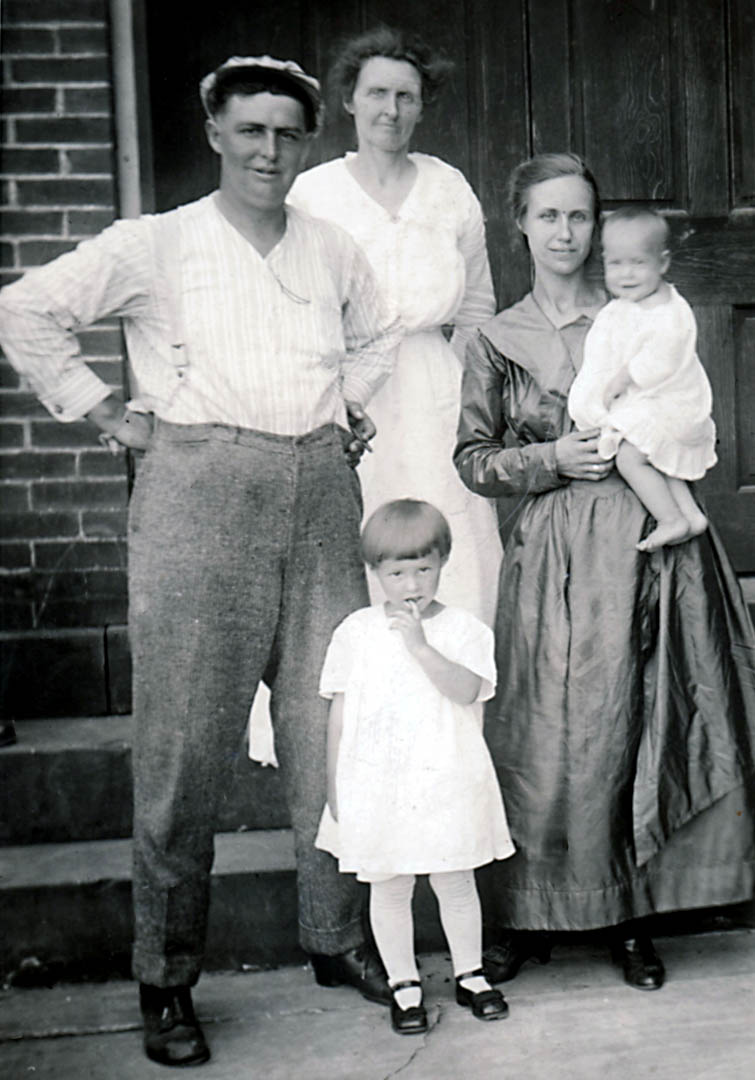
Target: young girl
641,381
411,786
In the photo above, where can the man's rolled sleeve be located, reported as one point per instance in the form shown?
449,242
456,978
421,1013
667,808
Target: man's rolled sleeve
47,356
40,314
75,395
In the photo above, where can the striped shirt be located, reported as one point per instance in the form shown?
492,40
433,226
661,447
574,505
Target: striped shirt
275,344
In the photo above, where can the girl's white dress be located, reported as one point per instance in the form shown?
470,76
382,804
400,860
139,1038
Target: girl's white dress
417,791
431,264
665,411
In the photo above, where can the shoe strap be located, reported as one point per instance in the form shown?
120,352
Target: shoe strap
470,974
489,997
405,985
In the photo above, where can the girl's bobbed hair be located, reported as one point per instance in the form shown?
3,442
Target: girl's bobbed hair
548,167
432,66
405,529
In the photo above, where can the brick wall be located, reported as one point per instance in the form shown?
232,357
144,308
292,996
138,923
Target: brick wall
63,496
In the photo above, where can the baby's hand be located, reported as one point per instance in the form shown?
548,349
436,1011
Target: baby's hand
409,625
615,388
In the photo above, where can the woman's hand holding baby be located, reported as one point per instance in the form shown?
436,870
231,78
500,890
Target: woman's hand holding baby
577,456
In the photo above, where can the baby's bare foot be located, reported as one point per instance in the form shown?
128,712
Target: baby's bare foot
674,531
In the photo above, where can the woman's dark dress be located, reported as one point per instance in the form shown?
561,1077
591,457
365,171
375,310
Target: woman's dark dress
624,723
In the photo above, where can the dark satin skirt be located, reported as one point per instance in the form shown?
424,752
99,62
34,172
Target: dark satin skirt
624,723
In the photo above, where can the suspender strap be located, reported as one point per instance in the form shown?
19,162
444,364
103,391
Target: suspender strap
168,267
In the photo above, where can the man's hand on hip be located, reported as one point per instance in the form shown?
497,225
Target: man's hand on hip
120,426
362,429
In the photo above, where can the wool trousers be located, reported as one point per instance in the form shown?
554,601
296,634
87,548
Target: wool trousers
243,558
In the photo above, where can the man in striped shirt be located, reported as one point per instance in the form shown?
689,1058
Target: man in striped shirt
255,337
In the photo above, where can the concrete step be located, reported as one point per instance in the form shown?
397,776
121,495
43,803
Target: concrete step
70,779
65,909
65,906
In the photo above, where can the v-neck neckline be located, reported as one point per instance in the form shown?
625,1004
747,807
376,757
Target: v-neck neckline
391,215
227,223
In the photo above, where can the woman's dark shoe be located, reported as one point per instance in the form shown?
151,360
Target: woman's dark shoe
360,967
642,966
485,1004
172,1035
411,1021
501,962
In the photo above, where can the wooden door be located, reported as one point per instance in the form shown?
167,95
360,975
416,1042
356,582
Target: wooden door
657,95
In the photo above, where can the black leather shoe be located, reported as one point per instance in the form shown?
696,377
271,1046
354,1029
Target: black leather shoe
501,962
485,1004
411,1021
360,967
642,966
7,733
172,1035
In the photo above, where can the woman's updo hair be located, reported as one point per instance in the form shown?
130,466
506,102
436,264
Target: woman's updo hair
433,68
548,167
405,529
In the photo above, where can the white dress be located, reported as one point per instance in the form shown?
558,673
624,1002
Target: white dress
432,267
665,411
417,791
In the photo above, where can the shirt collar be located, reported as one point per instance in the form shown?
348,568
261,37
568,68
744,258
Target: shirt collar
586,310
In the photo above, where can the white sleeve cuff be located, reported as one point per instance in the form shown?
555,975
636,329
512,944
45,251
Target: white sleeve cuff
78,391
355,389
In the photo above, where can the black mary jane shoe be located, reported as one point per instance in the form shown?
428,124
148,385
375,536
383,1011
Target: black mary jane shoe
411,1021
642,966
360,967
485,1004
501,962
172,1035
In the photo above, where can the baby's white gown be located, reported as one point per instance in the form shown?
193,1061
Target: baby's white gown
431,263
417,790
665,412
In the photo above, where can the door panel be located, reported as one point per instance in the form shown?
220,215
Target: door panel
499,126
703,40
626,122
742,68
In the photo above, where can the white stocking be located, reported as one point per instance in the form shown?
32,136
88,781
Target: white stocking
393,929
461,917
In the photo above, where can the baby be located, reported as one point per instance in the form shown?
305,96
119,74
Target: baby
641,381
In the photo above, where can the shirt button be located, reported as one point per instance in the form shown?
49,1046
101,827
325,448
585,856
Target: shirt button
58,409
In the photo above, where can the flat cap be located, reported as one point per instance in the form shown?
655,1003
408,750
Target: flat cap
266,70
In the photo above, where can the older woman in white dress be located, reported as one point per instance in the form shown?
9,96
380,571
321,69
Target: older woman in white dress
421,227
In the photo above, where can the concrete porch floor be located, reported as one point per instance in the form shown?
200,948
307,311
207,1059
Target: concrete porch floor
574,1018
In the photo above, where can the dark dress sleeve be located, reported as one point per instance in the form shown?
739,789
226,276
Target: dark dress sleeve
486,466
